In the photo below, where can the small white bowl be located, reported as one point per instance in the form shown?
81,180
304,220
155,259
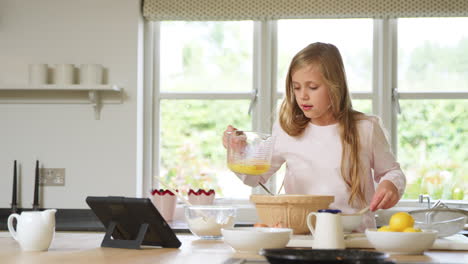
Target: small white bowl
252,239
351,222
401,243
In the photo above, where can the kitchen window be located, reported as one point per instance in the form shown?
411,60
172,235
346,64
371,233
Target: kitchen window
211,74
206,83
433,98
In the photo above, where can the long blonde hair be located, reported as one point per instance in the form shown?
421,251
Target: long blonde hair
328,60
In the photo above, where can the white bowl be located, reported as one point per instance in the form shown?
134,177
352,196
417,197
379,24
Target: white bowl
252,239
401,243
351,222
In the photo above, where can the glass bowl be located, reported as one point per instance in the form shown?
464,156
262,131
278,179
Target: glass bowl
206,221
249,153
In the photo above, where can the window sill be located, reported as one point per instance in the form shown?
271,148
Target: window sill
416,204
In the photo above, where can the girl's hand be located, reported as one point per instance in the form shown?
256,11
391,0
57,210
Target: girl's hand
237,139
225,135
386,196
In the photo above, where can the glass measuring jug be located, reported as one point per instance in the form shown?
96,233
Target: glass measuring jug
249,152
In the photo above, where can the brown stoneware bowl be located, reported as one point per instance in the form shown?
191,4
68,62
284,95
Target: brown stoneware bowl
289,211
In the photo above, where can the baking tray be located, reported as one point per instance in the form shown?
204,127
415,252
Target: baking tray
307,256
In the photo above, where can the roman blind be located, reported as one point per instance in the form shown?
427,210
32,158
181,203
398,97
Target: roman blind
217,10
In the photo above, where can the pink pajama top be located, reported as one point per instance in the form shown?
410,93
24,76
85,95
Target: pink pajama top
313,162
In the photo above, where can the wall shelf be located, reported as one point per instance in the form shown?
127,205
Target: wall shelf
93,92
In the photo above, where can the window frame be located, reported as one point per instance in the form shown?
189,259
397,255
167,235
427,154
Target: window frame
384,94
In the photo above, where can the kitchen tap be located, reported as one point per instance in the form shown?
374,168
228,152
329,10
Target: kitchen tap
425,196
439,204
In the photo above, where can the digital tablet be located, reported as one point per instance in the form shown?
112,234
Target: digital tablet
131,222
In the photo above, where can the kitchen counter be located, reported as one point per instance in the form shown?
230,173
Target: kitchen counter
84,247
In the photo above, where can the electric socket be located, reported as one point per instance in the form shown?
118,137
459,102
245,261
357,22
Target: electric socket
52,176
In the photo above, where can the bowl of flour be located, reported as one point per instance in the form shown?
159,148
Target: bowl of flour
206,221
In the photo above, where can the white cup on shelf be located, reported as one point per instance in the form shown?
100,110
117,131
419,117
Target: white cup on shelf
91,74
64,74
37,74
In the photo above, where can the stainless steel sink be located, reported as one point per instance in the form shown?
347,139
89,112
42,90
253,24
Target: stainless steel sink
445,220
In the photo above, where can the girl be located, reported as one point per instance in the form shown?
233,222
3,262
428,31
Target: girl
328,147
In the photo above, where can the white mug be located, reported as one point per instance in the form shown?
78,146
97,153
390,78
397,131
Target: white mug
34,230
37,74
328,231
91,74
64,74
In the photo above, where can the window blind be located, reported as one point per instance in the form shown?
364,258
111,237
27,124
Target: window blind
223,10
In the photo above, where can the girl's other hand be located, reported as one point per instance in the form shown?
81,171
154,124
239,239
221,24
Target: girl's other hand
386,196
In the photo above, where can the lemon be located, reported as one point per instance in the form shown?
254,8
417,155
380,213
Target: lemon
412,230
400,221
385,229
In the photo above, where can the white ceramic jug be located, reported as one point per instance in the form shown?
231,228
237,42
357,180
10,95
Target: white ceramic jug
34,230
328,231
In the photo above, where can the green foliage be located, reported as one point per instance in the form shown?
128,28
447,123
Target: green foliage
433,147
191,145
433,138
435,67
211,62
439,180
364,106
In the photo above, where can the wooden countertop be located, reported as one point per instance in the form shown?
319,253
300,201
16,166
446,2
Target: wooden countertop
84,248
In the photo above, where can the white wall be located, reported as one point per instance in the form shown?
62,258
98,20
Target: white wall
99,155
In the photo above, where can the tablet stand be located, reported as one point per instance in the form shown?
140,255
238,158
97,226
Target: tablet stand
121,243
132,222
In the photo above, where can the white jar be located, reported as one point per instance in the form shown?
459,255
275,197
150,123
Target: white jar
37,74
91,74
63,74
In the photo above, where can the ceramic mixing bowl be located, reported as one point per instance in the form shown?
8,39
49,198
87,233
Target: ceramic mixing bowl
351,222
401,243
252,239
289,210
